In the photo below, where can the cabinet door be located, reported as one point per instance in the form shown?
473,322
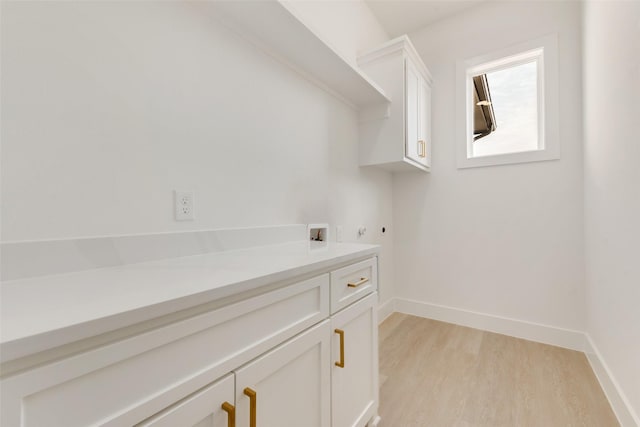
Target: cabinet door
418,116
288,386
354,379
412,112
202,409
424,118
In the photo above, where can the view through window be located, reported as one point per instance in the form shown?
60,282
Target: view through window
507,107
506,110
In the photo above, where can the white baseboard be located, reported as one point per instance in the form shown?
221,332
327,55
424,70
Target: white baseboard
617,399
386,309
574,340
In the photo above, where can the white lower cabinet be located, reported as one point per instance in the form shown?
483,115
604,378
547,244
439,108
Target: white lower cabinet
268,360
288,386
354,378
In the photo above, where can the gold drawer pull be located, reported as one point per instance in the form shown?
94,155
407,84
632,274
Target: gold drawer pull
362,281
422,148
340,332
253,396
231,413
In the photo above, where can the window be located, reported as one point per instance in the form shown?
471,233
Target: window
507,106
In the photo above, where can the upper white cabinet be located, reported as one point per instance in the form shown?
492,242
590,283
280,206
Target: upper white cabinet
276,28
399,140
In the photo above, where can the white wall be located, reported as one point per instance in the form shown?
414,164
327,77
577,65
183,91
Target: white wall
349,27
109,106
504,240
612,188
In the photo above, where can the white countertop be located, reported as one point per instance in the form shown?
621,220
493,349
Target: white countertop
45,312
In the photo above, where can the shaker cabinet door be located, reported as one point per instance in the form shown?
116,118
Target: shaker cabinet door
354,378
412,113
424,128
418,110
290,385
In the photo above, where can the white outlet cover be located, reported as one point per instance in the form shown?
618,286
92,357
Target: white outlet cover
184,205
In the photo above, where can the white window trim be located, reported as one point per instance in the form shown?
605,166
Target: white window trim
545,50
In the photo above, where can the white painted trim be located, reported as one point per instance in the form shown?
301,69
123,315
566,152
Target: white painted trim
386,309
548,104
617,399
399,44
567,338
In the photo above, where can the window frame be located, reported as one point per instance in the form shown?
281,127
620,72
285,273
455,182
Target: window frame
544,51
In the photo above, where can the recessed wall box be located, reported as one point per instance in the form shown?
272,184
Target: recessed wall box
318,235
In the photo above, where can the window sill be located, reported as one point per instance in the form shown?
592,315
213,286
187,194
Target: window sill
507,159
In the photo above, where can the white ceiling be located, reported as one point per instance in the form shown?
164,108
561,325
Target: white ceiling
399,17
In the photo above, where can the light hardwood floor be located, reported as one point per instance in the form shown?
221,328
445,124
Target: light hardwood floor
438,374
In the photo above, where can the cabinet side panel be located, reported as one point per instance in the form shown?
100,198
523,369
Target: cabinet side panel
382,140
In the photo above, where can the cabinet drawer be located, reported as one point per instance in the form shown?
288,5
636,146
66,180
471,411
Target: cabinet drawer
352,282
140,376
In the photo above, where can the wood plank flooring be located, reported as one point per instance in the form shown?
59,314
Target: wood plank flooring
438,374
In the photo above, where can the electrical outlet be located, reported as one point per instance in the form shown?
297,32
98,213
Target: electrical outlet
184,205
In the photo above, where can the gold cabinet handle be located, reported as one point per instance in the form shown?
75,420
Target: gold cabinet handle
362,281
231,413
422,148
253,396
340,332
